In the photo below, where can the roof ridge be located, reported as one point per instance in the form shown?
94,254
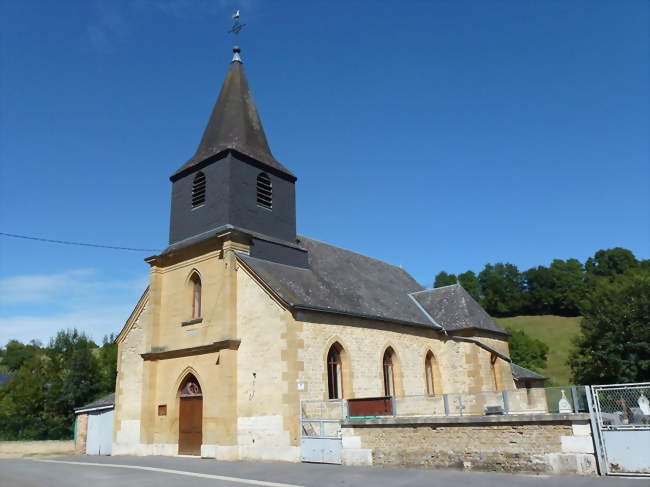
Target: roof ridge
436,288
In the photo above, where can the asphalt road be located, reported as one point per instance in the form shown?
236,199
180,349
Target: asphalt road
87,471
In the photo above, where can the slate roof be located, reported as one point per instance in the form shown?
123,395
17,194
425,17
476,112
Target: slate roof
105,401
454,309
234,125
519,373
342,281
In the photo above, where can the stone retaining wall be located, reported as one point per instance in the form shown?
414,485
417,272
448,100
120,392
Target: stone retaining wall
27,448
540,443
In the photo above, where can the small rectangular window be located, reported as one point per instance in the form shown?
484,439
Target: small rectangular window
162,410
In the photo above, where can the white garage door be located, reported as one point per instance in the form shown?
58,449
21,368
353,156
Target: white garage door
100,433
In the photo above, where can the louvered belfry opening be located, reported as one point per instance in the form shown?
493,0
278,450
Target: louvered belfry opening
264,191
198,190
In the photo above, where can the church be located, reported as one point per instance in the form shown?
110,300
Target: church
244,318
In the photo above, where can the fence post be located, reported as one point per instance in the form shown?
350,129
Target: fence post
574,395
506,402
445,401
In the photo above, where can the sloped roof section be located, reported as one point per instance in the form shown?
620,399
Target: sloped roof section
234,125
519,373
102,402
341,281
454,309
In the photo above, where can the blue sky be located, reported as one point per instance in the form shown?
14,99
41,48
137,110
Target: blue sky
432,135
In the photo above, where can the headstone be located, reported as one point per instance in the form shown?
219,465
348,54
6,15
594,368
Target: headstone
563,405
644,404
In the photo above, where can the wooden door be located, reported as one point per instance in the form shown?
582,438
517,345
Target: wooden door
190,424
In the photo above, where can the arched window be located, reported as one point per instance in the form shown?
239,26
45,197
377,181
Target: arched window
264,191
495,371
195,282
429,365
334,373
389,372
198,190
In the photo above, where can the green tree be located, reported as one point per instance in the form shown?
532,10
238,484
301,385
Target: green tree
614,345
108,364
444,279
24,412
568,286
502,287
610,262
540,290
469,281
17,353
527,351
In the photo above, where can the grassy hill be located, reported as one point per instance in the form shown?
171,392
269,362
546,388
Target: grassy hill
557,332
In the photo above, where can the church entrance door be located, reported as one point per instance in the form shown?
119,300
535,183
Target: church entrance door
190,418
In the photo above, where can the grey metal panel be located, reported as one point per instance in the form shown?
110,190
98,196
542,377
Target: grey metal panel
99,439
628,451
321,450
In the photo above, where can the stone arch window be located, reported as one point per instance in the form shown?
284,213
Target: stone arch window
195,286
198,190
389,372
431,374
335,372
264,191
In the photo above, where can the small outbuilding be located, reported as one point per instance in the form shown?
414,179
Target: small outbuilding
94,426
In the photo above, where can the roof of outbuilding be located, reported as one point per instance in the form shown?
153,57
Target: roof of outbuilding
519,373
234,125
341,281
454,309
102,402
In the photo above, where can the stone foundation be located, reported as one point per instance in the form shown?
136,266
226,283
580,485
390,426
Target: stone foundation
544,443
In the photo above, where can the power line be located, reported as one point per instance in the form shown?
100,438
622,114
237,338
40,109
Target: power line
82,244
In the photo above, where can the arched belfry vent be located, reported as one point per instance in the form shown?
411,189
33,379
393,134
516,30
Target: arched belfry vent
264,191
198,190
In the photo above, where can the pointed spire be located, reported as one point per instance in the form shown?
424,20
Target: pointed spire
234,124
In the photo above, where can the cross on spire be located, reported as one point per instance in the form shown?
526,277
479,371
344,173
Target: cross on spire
237,26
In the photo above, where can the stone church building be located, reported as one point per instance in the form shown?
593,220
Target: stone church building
243,318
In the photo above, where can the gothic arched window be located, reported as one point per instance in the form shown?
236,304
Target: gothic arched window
195,282
429,365
334,373
264,191
389,372
198,190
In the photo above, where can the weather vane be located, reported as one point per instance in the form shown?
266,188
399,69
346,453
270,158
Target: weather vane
237,26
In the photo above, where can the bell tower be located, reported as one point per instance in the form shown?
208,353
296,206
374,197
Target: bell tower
233,181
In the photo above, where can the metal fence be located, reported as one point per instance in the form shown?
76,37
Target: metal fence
624,406
569,399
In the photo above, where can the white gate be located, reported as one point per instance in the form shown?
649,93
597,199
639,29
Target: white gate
320,431
99,439
622,432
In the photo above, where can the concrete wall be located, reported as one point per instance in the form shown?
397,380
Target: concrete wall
28,448
550,443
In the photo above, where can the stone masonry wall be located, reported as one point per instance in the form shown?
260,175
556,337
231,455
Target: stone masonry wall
505,445
81,434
